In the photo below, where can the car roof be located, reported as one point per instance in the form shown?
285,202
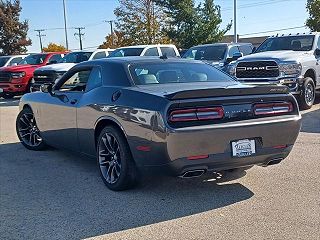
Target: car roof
151,45
138,59
221,44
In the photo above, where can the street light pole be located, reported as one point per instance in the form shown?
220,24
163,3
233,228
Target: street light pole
40,37
65,23
235,20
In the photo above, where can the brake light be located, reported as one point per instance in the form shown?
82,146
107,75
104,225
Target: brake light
272,108
196,114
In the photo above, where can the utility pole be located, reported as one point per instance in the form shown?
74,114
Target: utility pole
80,34
65,23
235,20
40,37
111,28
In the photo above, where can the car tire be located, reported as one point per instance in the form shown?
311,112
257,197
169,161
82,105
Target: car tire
28,132
307,96
116,165
7,95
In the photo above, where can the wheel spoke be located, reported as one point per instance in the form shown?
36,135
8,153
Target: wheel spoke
103,153
111,142
106,144
25,134
104,162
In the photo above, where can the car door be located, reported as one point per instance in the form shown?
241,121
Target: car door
318,64
59,113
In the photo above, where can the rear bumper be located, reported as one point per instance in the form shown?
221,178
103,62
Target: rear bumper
170,154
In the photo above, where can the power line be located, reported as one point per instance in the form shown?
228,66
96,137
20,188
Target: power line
40,36
80,34
282,29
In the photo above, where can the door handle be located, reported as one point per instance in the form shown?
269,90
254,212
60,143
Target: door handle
73,101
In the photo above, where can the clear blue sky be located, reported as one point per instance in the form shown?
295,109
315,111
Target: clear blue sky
253,16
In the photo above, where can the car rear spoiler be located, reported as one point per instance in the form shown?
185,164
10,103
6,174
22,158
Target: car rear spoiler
221,92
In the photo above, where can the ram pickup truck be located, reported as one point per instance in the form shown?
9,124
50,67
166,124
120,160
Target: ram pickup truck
16,80
292,60
49,74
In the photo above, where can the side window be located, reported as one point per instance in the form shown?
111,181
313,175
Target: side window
232,51
169,51
152,52
245,49
55,58
99,55
15,61
95,79
77,82
319,42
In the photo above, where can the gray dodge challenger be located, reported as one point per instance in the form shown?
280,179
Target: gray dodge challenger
173,116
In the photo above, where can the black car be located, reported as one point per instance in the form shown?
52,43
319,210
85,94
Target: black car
176,116
219,54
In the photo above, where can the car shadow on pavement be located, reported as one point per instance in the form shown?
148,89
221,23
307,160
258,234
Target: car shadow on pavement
58,195
9,102
311,122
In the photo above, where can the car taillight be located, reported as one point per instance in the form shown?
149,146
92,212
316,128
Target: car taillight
272,108
196,114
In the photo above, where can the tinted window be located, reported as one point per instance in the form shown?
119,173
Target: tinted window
95,79
318,43
77,82
295,43
55,58
169,51
99,55
34,59
3,61
245,49
76,57
210,53
15,61
174,72
114,74
232,51
152,52
126,52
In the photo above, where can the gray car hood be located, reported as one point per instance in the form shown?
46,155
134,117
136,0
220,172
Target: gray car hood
288,55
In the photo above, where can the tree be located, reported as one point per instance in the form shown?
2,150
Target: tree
114,41
13,33
53,47
313,22
140,21
190,25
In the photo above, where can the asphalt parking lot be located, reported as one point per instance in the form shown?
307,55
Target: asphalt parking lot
59,195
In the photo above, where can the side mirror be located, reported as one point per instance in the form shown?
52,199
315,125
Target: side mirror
46,88
317,52
234,57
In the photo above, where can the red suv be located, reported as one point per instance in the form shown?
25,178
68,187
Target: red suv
15,80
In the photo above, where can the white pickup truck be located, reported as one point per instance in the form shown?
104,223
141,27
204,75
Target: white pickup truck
292,60
52,72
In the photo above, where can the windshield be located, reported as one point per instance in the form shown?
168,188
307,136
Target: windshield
76,57
294,43
34,59
126,52
210,53
173,72
3,61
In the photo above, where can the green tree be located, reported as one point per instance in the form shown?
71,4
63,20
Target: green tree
114,41
190,25
313,22
140,21
13,33
53,47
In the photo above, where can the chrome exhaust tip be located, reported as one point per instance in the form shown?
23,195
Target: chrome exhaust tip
193,173
274,161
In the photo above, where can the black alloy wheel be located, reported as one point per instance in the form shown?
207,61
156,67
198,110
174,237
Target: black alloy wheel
28,131
116,165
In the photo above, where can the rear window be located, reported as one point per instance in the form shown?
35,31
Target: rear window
126,52
168,51
210,53
173,72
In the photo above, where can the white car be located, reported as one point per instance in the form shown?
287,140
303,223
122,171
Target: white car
11,60
168,50
51,73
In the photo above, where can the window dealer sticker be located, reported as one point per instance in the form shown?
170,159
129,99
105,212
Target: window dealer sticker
243,148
